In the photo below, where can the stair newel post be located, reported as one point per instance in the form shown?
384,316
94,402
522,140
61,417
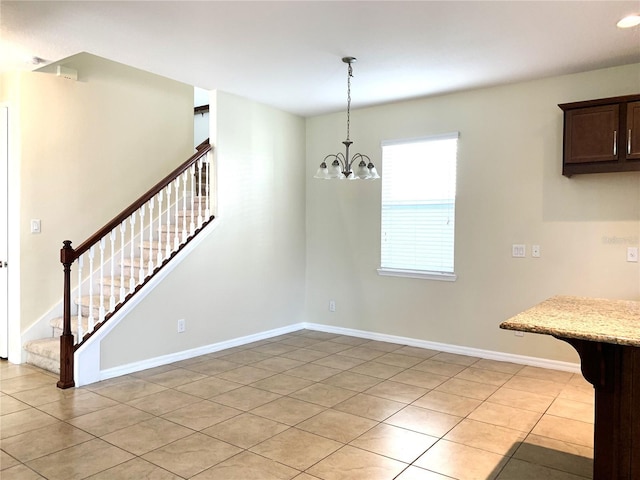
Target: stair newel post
67,256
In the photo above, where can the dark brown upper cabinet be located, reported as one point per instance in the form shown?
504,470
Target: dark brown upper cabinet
601,135
633,130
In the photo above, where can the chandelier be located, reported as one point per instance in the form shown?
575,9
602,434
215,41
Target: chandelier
340,166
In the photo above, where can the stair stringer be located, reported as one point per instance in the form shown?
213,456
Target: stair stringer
86,362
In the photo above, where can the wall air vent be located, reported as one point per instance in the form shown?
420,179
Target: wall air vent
66,72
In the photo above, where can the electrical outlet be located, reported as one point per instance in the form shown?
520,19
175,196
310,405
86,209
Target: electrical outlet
332,305
519,334
518,250
182,325
632,254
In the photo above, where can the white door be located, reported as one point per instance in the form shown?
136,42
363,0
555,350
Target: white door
4,297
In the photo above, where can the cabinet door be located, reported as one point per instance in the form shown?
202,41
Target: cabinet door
632,135
591,134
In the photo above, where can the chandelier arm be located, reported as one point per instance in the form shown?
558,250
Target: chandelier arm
339,157
356,157
360,156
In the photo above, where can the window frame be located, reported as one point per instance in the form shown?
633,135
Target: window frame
415,273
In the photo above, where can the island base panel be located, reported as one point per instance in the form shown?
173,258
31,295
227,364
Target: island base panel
614,372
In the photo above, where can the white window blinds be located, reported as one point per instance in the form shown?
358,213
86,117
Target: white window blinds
418,204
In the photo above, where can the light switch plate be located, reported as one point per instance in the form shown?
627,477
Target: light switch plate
518,250
632,254
35,225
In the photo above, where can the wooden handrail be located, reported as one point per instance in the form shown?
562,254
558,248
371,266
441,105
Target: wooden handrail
127,212
202,109
202,145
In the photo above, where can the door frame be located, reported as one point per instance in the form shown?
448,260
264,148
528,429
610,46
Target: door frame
13,233
4,239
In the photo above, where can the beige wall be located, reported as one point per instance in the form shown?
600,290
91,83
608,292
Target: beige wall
286,243
510,190
86,150
247,276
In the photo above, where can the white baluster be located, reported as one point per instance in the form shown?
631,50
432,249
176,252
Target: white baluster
207,211
151,207
184,205
176,238
200,192
101,311
91,317
160,199
141,276
80,333
112,298
123,229
168,238
192,174
132,281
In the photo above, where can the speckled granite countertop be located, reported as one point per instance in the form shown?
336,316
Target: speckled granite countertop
593,319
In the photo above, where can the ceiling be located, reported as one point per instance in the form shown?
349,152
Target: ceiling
287,54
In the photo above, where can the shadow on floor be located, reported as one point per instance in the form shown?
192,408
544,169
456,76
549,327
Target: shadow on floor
535,462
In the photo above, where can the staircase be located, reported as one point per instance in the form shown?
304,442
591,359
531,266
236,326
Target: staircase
113,264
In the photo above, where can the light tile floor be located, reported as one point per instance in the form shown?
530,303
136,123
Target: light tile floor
306,405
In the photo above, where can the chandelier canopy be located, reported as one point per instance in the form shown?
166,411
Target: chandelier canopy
340,164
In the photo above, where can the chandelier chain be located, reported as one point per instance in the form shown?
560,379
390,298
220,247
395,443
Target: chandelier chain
349,75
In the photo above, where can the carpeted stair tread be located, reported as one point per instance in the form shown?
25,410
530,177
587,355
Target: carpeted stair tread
86,300
128,262
45,347
44,353
106,281
58,323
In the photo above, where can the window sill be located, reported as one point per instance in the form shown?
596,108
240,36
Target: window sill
440,276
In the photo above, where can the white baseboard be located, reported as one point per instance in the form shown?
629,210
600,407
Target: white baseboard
448,348
413,342
196,352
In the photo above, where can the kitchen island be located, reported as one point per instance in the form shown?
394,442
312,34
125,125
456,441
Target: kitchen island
606,335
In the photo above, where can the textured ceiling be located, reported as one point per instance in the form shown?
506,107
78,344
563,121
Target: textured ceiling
287,54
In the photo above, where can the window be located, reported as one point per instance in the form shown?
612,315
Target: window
418,207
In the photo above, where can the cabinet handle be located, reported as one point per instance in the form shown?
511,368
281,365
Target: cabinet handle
629,143
615,143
